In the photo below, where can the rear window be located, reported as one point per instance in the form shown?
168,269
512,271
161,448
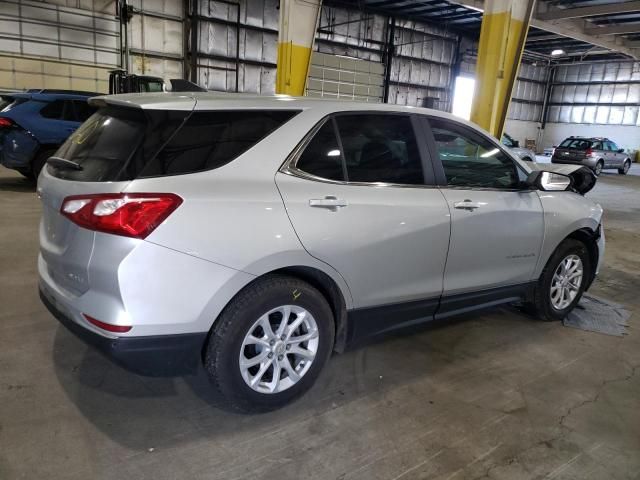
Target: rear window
123,144
8,102
576,143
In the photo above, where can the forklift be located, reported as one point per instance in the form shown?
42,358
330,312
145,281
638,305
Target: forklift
120,81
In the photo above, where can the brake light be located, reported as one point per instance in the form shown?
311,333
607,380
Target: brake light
107,326
6,123
133,215
588,152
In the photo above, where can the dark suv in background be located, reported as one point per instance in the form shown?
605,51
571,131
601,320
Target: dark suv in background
34,124
595,152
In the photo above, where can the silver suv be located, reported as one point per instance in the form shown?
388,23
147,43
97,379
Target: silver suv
514,146
595,153
256,235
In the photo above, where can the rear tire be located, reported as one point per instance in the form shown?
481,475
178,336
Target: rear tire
598,168
238,337
625,167
38,163
545,302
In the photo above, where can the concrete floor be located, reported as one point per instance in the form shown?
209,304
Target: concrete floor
498,395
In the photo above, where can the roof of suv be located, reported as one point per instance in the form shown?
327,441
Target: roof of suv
592,139
239,101
49,95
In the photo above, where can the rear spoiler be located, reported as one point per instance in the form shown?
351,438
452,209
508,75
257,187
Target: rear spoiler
151,101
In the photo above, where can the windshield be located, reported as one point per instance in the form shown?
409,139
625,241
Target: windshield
576,143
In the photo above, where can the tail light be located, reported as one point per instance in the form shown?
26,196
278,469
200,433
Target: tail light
109,327
588,152
133,215
6,123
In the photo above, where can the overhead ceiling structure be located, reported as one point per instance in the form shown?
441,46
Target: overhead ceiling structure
593,29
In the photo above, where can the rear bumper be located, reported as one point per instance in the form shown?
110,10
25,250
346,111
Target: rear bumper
158,355
587,162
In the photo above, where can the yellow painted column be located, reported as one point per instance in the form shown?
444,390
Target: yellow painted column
296,32
502,37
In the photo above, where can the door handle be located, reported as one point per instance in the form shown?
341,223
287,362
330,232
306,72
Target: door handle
466,205
329,202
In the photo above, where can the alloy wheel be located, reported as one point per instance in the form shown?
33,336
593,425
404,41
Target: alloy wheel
278,349
566,282
626,167
598,170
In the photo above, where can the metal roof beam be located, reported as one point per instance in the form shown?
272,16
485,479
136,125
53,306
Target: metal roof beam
618,29
592,11
571,28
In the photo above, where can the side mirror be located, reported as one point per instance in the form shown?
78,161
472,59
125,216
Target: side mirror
621,150
516,143
549,181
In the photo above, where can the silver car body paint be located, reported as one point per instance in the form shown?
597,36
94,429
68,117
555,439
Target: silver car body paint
524,153
247,218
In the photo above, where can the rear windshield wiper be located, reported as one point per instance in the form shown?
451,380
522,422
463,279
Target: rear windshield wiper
64,163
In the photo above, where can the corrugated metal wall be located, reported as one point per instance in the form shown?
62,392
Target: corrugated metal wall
527,99
221,58
156,38
50,45
602,93
422,65
422,62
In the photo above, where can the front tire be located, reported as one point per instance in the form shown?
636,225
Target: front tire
562,282
269,345
625,167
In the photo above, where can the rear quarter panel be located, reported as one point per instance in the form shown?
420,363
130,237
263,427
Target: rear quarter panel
234,216
564,213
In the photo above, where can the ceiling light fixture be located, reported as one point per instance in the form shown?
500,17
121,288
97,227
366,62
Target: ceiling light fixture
557,52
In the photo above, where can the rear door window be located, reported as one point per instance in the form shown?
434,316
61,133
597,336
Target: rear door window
365,148
611,146
380,148
322,157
